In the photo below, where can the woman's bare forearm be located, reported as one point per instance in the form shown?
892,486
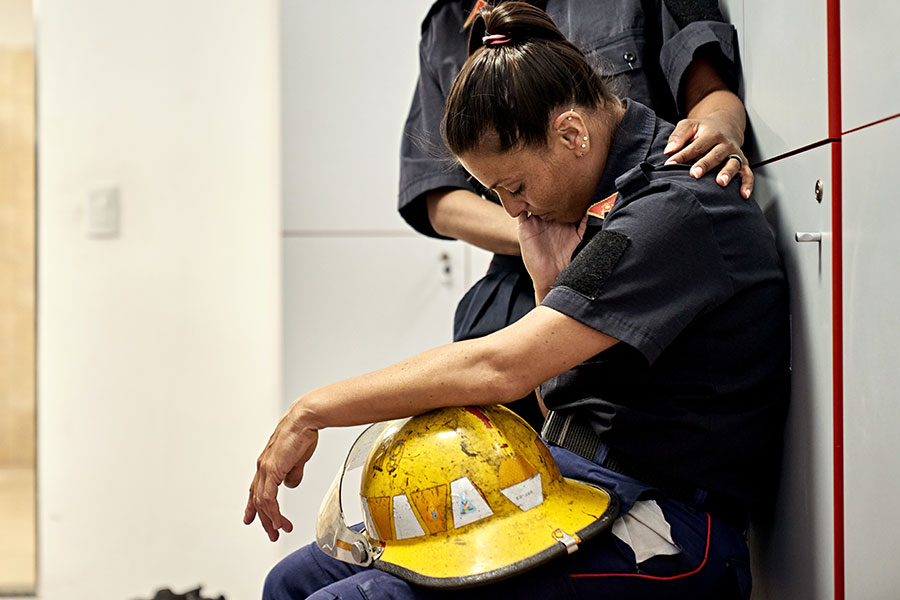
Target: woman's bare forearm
457,374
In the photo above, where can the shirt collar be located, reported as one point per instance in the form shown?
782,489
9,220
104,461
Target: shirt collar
630,146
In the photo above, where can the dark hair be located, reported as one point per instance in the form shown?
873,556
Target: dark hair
510,88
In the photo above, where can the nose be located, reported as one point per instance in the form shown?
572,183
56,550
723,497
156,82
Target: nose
512,207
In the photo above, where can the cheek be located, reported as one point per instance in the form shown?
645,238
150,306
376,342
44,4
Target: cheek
576,195
553,195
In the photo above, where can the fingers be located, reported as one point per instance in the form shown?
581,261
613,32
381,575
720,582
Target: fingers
271,530
715,157
294,477
737,166
266,501
280,462
720,155
731,167
746,181
711,155
685,132
263,502
582,227
249,511
710,145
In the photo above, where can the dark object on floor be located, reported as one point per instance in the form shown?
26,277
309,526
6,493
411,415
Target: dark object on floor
167,594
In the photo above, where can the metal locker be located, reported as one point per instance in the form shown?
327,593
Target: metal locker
870,61
792,548
785,70
871,263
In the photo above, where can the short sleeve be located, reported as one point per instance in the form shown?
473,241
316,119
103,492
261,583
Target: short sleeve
653,268
687,35
424,161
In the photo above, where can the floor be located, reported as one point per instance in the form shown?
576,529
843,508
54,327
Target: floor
18,532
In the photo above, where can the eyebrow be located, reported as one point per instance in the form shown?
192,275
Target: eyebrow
502,181
472,178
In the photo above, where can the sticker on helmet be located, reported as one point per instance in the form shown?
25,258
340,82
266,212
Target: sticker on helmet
405,523
526,494
367,518
515,469
431,504
378,511
468,505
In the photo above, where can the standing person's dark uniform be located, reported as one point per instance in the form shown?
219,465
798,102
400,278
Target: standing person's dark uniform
646,46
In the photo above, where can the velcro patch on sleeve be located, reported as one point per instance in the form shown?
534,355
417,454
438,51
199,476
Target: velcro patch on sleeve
589,270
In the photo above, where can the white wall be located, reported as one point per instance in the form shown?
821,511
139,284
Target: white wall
159,357
347,87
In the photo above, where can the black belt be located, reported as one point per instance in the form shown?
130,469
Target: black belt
576,435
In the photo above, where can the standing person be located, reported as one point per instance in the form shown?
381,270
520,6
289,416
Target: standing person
661,342
680,61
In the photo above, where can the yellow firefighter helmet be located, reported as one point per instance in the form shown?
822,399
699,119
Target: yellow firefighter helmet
459,497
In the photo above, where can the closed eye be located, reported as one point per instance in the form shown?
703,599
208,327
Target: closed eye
508,191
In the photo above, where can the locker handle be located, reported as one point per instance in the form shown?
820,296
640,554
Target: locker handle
804,236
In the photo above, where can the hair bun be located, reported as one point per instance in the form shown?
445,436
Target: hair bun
517,21
519,71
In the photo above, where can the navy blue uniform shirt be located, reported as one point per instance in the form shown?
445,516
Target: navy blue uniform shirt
686,275
641,43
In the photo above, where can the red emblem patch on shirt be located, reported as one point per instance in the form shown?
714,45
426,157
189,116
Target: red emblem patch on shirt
478,6
600,209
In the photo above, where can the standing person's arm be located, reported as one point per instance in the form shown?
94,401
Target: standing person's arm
700,61
466,216
435,198
714,127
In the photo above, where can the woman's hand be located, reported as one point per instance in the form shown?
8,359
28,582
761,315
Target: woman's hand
282,461
711,139
547,249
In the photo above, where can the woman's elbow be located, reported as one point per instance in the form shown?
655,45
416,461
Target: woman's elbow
508,385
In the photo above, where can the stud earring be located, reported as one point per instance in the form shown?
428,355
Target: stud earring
582,153
585,138
584,145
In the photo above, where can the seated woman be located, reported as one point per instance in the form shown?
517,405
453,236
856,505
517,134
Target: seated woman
660,343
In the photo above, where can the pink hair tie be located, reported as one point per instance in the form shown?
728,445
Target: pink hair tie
494,39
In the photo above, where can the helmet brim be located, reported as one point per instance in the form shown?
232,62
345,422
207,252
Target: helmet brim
503,548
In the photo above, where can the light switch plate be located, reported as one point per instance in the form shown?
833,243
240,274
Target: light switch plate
103,212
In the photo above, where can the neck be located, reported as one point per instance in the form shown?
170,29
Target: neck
605,121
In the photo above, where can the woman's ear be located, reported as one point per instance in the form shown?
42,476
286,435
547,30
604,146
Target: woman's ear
570,129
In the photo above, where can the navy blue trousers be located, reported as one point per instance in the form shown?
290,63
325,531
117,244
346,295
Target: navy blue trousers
713,562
